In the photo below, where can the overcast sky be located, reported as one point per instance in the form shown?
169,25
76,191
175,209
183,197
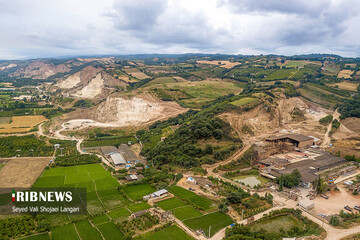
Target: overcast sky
49,28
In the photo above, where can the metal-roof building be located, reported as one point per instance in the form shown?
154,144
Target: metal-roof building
118,159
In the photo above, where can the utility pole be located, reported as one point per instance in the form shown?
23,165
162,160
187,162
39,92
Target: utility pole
209,231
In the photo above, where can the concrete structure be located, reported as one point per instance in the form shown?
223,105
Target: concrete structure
128,154
297,140
133,177
158,194
138,214
309,168
118,159
306,204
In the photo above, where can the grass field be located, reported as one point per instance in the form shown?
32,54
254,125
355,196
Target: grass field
161,80
281,74
170,233
100,219
21,124
136,73
119,213
171,203
186,212
5,120
244,101
137,207
346,85
86,231
2,165
199,92
94,177
110,231
195,199
42,236
136,192
274,225
216,220
64,233
251,180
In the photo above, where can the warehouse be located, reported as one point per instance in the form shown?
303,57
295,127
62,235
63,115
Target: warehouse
118,159
308,168
297,140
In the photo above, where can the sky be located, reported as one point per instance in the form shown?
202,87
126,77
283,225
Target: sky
53,28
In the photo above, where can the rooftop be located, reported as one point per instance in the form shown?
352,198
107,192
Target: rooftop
106,150
117,158
293,136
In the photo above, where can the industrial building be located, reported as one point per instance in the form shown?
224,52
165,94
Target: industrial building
113,154
297,140
158,194
128,154
309,165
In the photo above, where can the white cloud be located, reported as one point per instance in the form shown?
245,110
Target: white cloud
42,28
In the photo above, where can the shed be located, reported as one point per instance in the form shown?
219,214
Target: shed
306,204
160,193
138,214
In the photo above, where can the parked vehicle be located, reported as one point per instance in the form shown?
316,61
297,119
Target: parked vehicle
348,208
324,196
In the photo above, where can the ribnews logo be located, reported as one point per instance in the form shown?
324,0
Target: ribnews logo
48,196
46,201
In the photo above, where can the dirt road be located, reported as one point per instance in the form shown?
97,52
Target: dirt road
235,156
327,138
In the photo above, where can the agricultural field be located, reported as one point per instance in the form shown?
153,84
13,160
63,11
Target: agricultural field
24,146
110,231
64,233
109,141
274,225
136,192
281,74
102,193
224,64
345,85
21,124
194,94
137,207
185,212
5,120
171,203
22,172
216,220
170,233
118,213
86,231
191,198
41,236
134,72
346,74
161,80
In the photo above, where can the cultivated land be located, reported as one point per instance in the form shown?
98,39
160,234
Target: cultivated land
20,124
254,96
22,172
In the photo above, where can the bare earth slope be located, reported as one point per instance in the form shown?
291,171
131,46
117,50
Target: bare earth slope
40,69
121,111
90,82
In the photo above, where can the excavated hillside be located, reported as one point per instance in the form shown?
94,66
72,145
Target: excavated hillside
281,118
40,69
118,110
90,82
